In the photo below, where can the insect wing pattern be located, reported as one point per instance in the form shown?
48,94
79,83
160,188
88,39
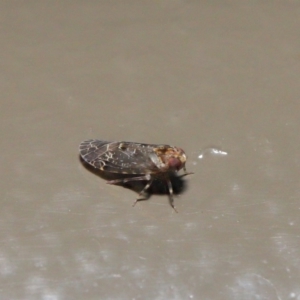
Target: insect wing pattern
119,157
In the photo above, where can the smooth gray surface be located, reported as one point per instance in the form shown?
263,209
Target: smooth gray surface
195,74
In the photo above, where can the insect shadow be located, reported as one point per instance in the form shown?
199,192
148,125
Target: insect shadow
158,187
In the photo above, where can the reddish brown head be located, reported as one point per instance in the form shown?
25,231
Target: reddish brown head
172,158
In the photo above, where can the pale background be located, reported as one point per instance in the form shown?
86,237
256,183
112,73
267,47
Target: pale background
195,74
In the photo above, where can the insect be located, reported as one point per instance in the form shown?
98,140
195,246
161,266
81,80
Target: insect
146,162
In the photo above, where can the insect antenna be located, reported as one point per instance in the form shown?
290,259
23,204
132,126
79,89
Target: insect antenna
185,174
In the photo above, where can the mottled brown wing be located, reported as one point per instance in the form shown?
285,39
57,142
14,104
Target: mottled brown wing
119,157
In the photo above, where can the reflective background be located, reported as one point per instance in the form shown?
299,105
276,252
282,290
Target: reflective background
206,75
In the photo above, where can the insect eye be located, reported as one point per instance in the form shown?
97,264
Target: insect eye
175,163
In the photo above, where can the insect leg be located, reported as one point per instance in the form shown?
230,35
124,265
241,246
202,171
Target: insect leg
171,194
142,192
